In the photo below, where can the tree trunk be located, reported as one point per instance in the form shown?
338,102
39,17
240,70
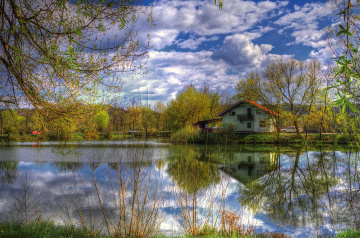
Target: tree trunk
297,129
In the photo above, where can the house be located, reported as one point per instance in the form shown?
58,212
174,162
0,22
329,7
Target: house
248,116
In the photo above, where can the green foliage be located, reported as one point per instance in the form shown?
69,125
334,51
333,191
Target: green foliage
345,44
10,121
53,54
348,234
188,107
102,120
185,135
343,139
43,230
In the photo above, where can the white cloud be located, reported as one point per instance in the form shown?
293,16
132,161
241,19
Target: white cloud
305,23
239,51
193,43
203,19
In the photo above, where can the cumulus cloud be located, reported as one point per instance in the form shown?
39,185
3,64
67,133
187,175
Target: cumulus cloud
239,51
305,23
203,18
169,72
193,43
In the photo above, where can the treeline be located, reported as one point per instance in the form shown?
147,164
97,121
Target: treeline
190,105
299,91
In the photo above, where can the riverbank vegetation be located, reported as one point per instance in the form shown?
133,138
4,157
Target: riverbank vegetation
44,229
196,136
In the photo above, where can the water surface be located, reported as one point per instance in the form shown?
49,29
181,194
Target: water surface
299,192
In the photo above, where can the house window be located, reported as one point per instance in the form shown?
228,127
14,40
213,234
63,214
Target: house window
249,125
231,113
249,112
262,123
258,111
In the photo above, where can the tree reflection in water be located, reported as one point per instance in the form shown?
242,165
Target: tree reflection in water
310,188
195,181
64,166
8,172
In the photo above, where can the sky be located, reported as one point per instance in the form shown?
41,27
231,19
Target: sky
195,42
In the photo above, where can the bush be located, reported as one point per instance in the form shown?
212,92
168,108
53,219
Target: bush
187,134
342,139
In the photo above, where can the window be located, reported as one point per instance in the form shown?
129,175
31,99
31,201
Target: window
258,111
249,112
231,113
262,123
249,125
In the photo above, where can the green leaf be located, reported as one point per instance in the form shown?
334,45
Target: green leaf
351,106
340,71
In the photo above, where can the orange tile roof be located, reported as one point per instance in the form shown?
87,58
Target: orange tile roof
262,107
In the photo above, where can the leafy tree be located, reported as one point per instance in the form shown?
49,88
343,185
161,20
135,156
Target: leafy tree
344,43
188,107
159,113
10,121
55,53
214,101
290,83
102,120
147,119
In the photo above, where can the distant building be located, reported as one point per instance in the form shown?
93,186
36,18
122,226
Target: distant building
248,116
208,125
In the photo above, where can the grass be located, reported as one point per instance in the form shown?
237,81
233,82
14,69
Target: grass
46,229
349,234
271,138
49,230
42,230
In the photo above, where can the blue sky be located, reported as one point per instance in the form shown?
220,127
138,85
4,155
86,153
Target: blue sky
195,42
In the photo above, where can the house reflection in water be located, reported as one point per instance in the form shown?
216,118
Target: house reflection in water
248,166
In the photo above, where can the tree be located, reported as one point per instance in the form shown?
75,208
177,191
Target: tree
254,88
159,112
55,53
10,121
188,107
102,120
292,83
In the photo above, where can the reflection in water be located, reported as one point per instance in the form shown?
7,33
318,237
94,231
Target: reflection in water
248,166
191,174
8,172
309,189
64,166
126,190
195,188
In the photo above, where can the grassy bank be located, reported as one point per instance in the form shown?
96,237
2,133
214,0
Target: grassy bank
49,230
267,138
45,230
81,136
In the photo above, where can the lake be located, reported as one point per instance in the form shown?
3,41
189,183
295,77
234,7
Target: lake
147,186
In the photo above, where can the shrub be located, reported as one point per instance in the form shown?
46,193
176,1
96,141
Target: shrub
342,139
184,135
